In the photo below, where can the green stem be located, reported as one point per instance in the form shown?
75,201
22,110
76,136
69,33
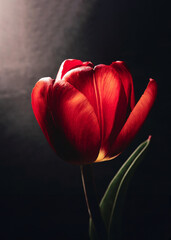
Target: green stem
92,203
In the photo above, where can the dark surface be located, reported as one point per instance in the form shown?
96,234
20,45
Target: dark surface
41,196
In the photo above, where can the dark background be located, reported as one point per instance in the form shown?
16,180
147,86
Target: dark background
41,196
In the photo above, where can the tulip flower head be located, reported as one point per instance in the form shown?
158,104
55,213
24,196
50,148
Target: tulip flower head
88,114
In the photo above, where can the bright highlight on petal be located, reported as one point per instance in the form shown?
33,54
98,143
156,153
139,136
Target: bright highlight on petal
112,104
88,114
127,81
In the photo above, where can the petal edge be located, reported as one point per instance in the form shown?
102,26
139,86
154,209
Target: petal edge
135,119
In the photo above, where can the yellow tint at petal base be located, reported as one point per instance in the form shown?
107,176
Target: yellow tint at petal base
101,155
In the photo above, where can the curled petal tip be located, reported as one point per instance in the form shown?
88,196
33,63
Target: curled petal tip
149,137
153,87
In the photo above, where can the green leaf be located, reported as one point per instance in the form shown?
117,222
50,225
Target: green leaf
111,205
113,200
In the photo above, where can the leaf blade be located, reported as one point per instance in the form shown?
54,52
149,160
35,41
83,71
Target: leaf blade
110,200
133,161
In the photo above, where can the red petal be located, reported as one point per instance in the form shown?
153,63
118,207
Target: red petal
82,79
136,119
112,103
104,91
127,82
40,107
78,133
69,64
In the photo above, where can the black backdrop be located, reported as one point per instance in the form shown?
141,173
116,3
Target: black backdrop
41,196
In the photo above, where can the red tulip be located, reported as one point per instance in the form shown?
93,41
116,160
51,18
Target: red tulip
88,114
